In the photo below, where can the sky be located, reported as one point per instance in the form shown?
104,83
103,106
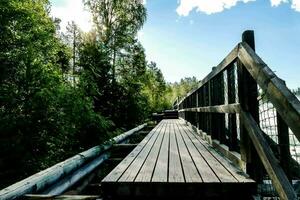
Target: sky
188,37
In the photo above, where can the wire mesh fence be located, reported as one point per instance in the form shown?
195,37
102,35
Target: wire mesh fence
268,123
223,89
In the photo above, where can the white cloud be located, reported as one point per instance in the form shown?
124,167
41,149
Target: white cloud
277,2
72,10
206,6
215,6
296,5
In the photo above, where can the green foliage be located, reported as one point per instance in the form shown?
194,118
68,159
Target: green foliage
180,89
156,89
117,23
47,116
42,118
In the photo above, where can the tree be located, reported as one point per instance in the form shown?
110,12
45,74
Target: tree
155,88
180,89
43,119
73,38
117,23
95,78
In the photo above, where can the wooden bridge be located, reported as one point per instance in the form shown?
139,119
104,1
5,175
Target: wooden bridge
173,161
233,140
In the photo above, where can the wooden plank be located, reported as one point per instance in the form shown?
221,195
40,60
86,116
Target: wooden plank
131,172
271,164
62,197
220,171
190,171
147,169
175,169
115,174
229,108
162,186
204,169
239,175
285,102
161,168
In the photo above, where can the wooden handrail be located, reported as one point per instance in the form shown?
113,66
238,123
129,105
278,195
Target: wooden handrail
230,108
271,164
49,176
204,107
285,102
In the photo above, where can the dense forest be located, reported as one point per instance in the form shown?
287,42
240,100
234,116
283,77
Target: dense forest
63,92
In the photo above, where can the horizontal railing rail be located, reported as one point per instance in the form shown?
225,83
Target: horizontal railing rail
226,110
49,177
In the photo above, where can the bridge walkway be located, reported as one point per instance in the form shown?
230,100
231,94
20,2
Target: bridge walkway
173,161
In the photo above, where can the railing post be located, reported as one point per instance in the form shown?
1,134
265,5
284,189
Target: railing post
221,116
248,92
231,96
284,146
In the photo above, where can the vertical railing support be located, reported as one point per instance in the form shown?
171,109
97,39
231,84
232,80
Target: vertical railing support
210,124
231,96
248,92
284,146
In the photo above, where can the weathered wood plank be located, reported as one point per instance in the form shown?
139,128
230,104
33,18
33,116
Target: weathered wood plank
190,171
119,170
61,197
175,169
147,169
239,175
204,169
161,169
271,164
191,165
221,172
229,108
131,172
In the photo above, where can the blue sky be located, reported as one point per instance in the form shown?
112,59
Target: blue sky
188,37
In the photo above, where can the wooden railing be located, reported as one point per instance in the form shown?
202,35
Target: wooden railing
57,179
225,110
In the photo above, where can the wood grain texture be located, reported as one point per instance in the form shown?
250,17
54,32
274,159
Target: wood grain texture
146,171
160,173
190,171
119,170
175,168
174,156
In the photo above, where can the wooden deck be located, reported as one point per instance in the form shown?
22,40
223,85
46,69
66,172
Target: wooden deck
173,161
